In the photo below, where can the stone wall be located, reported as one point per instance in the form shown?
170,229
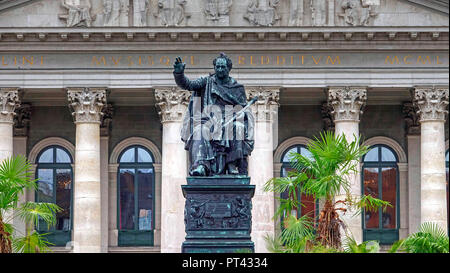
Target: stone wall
383,120
136,121
50,121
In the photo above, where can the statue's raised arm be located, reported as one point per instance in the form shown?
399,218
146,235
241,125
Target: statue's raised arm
182,81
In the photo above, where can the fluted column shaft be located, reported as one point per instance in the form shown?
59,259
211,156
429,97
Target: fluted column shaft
172,103
261,164
87,105
347,103
432,103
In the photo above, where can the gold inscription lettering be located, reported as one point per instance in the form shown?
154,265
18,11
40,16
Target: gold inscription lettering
336,59
164,60
437,60
265,60
150,60
97,61
423,61
302,58
42,60
316,61
116,62
283,60
241,60
192,60
130,60
29,61
388,59
405,59
3,61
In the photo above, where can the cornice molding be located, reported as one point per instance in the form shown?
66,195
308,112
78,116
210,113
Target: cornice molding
222,34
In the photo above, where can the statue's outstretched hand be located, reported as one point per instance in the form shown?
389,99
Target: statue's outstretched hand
179,66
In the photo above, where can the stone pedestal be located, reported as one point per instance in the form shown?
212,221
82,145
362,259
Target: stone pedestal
217,214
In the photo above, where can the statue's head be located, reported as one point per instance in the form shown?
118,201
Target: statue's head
222,66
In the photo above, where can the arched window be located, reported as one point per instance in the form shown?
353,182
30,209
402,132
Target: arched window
136,191
380,178
310,206
55,175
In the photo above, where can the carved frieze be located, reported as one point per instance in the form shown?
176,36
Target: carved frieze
22,119
78,13
171,12
86,104
431,102
262,12
267,104
171,103
140,13
411,118
318,12
218,12
217,211
295,13
9,101
347,102
358,12
115,13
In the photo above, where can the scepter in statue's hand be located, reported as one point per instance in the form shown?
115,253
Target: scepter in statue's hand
179,66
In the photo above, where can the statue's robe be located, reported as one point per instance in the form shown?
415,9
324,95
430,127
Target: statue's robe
223,148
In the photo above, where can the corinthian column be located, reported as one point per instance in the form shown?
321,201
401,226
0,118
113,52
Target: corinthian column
346,103
86,105
432,103
261,164
172,104
9,100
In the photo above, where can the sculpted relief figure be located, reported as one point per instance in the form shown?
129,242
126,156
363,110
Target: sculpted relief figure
296,13
115,13
358,12
171,12
141,8
217,12
318,12
79,13
262,12
218,126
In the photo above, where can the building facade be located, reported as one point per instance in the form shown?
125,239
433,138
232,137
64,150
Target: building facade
87,94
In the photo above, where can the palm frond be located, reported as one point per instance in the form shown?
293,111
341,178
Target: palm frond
32,243
430,238
31,212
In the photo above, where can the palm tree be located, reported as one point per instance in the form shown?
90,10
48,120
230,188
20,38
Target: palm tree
323,175
15,178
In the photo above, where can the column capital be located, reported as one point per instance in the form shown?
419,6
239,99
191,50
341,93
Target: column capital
106,119
267,103
327,117
9,100
172,103
347,102
431,102
87,104
22,119
411,118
